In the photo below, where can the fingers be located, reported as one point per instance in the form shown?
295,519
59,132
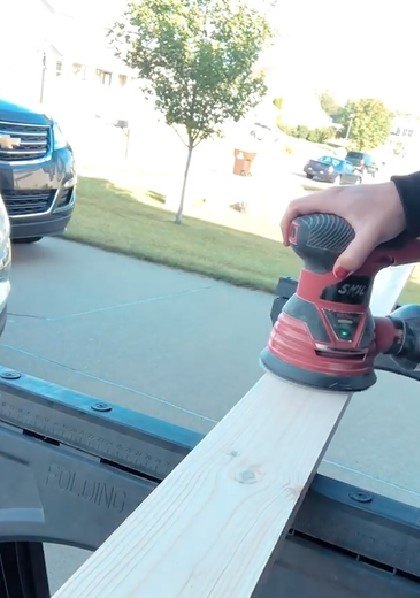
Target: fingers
316,202
374,211
298,207
355,254
291,213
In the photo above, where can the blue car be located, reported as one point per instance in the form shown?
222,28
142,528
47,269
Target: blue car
37,173
329,169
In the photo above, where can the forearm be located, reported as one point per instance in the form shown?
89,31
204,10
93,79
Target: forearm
408,187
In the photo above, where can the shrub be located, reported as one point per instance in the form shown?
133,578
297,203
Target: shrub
320,135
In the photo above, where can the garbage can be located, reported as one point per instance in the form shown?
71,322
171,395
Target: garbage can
243,162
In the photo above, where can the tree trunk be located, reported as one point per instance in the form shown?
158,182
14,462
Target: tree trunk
178,218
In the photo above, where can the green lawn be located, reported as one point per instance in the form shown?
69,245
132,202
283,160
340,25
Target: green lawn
411,293
109,217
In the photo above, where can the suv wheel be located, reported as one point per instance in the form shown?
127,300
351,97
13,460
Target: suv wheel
26,241
359,177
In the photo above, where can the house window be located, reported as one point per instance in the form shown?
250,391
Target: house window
58,68
104,77
122,80
78,69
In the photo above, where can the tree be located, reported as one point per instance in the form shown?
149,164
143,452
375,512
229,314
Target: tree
197,58
367,123
329,104
321,135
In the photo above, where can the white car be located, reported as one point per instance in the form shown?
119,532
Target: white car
4,264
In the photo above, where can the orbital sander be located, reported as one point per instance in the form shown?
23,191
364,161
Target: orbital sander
325,336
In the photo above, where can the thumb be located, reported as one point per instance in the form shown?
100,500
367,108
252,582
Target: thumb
354,256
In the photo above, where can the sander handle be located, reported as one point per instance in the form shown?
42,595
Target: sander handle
318,239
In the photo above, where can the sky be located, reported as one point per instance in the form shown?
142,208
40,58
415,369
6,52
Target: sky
362,48
101,12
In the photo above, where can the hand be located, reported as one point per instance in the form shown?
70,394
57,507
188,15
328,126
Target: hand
374,211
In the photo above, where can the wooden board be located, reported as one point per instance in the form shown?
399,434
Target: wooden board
387,288
208,530
210,527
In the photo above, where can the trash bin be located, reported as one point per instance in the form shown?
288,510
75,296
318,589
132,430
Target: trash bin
243,162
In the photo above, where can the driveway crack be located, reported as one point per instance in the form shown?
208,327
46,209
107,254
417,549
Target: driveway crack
117,306
111,383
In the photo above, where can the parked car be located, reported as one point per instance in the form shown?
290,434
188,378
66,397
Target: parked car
4,264
37,173
364,162
329,169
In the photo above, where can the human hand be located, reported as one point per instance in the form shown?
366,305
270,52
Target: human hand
374,211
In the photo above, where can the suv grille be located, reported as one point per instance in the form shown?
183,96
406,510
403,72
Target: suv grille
23,203
23,142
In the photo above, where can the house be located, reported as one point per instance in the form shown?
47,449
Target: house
60,58
63,62
404,139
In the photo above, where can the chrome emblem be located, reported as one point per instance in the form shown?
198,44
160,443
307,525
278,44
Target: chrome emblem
7,142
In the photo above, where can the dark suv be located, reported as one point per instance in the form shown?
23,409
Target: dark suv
37,173
364,162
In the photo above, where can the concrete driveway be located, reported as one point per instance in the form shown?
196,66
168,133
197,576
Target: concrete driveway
174,345
183,348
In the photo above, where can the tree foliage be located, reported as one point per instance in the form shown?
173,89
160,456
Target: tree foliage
197,57
329,104
367,123
320,135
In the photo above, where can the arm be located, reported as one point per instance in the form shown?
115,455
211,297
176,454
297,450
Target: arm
408,187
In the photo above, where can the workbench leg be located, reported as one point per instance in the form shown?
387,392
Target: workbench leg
23,572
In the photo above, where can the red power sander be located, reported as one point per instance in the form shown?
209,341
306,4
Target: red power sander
326,336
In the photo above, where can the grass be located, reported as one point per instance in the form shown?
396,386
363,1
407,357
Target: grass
411,293
111,218
312,187
156,196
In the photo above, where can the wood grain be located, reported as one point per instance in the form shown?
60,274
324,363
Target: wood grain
210,527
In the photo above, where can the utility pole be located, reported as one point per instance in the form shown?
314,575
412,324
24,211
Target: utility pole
125,128
349,126
44,71
127,142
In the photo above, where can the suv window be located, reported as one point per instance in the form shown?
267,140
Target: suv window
361,159
354,156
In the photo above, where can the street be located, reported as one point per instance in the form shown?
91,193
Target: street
183,348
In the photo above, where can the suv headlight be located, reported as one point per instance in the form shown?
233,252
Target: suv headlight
59,139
